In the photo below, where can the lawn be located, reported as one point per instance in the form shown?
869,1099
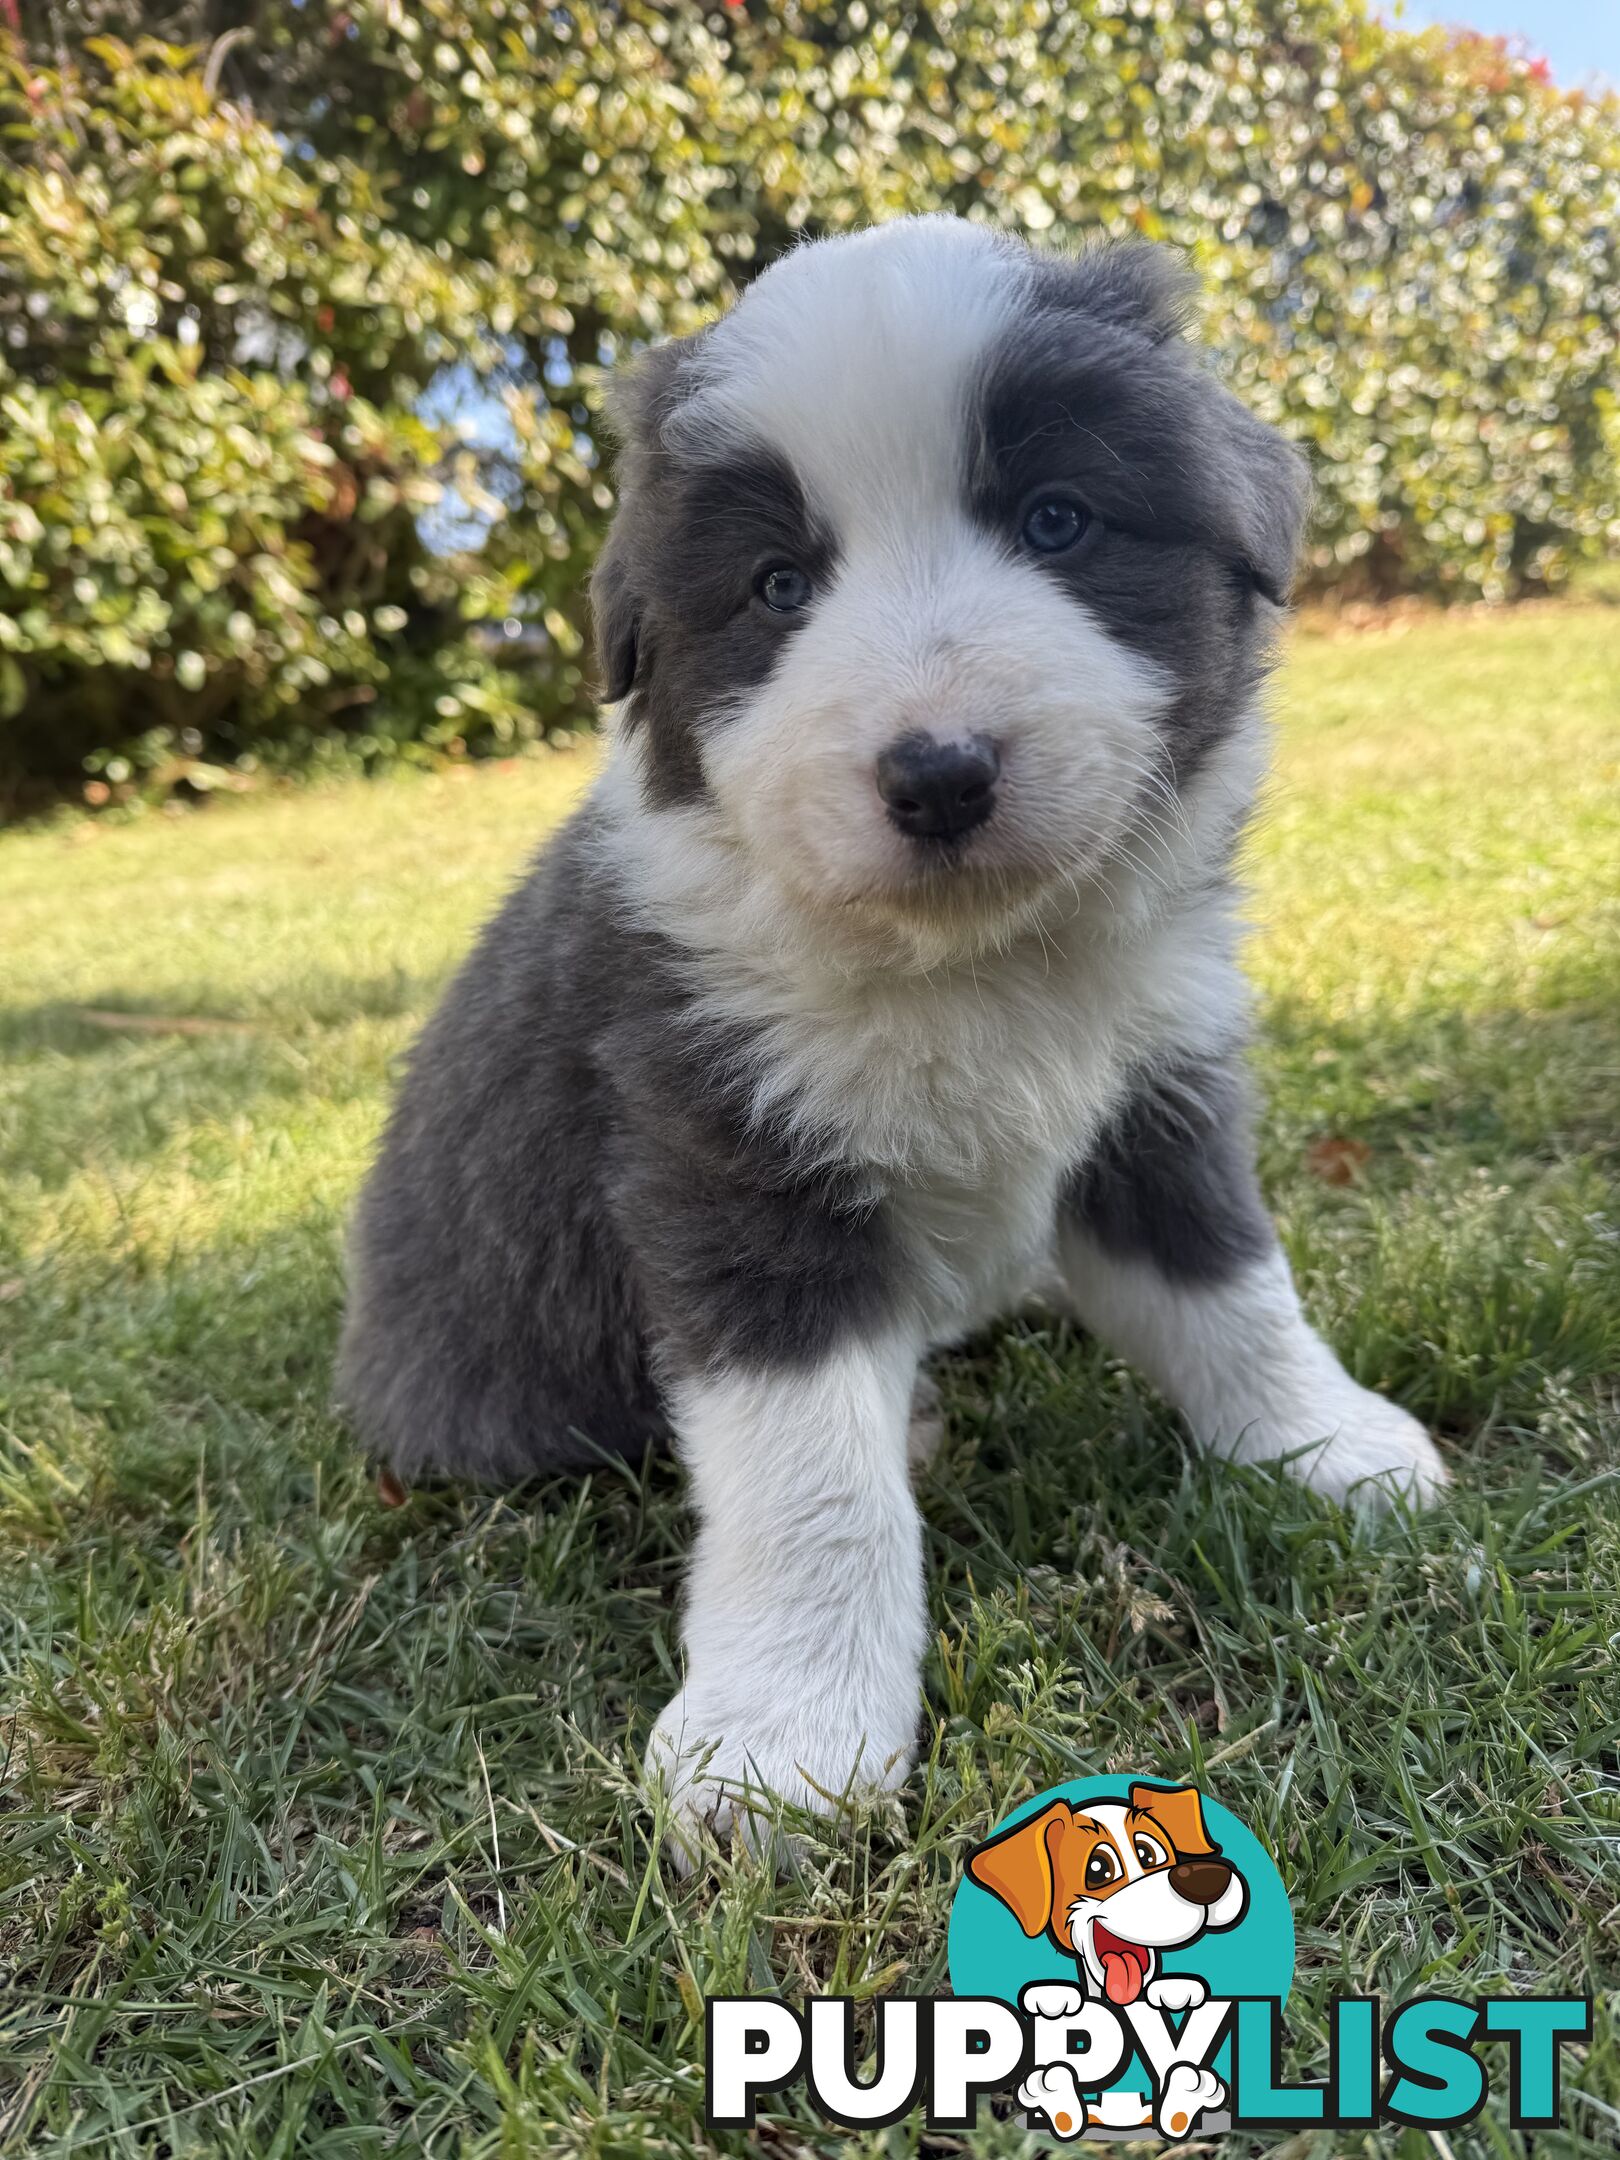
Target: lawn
319,1829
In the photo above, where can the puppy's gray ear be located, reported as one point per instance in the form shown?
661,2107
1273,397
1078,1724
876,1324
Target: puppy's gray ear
1267,485
1257,484
616,619
1130,283
641,396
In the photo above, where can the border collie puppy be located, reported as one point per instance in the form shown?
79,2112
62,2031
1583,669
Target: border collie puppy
887,971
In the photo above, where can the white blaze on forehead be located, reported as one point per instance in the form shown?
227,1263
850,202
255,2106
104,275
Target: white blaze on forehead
855,357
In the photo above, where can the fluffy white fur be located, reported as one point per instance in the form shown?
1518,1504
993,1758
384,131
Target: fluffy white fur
805,1620
964,1086
1252,1376
933,1052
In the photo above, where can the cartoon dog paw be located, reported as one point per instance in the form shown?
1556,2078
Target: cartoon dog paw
1176,1991
1051,1999
1188,2093
1054,2091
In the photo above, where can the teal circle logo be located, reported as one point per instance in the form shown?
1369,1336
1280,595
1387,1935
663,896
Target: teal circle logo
1138,1894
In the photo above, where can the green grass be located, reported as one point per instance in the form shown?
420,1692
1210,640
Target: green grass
320,1832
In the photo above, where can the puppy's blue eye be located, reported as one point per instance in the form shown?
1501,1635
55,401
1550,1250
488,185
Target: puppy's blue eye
785,589
1053,524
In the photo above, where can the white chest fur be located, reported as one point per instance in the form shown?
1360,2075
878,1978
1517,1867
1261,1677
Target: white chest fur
970,1093
962,1091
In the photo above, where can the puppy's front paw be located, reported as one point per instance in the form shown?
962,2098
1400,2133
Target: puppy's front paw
721,1757
1373,1451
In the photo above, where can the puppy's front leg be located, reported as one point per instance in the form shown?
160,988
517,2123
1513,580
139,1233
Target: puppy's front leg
1170,1257
805,1619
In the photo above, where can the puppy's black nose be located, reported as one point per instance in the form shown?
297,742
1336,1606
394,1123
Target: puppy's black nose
1200,1881
935,790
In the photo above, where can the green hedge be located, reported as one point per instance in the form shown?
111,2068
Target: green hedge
210,469
230,274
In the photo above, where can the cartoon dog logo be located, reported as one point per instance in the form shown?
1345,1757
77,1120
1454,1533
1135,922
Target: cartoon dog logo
1115,1884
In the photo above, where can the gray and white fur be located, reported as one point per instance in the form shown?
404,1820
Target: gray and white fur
888,969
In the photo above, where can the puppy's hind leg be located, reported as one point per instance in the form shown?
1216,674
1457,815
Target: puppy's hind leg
1168,1255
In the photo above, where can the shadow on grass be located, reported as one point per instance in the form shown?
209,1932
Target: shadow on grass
1507,1087
301,1003
144,1355
1435,1096
112,1082
154,1368
121,1087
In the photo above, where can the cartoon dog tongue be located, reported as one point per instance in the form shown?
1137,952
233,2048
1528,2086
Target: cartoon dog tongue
1124,1968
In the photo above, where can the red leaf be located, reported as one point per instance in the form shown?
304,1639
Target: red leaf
1336,1160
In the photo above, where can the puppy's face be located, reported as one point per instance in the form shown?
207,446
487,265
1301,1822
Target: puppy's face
941,567
1115,1883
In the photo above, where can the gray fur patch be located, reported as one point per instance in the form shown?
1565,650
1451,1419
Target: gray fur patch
1197,506
1173,1181
680,627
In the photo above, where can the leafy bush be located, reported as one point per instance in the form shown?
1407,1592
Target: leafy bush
210,465
234,287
